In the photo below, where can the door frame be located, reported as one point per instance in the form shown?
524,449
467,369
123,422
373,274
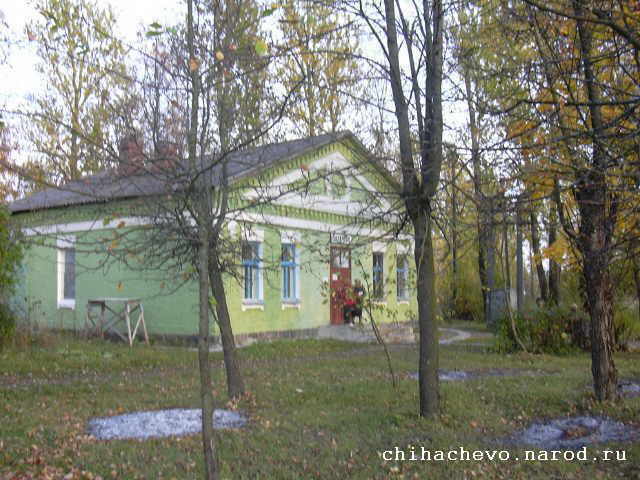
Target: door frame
338,283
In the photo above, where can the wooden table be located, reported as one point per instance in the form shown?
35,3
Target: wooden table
108,323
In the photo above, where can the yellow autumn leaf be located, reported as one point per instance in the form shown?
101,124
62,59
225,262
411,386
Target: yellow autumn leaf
557,250
194,64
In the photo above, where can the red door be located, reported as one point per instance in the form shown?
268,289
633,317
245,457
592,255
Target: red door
339,282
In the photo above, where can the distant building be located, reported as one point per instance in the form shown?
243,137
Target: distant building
296,253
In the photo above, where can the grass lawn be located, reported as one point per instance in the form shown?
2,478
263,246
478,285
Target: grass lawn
317,409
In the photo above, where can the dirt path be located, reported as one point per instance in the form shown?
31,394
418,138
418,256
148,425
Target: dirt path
458,335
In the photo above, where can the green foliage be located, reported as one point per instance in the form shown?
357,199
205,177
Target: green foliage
7,325
562,329
626,325
467,305
82,64
542,330
11,253
319,68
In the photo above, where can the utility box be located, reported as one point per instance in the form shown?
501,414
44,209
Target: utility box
498,305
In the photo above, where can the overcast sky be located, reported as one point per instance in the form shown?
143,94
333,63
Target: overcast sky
19,77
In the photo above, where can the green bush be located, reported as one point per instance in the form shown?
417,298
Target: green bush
542,330
468,307
561,329
7,325
11,253
626,326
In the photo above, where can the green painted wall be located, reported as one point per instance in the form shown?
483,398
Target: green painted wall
176,313
171,311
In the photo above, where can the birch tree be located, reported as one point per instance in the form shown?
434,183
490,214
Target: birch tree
82,62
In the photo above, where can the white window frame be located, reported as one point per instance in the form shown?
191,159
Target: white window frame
258,302
383,298
292,238
405,273
379,247
63,244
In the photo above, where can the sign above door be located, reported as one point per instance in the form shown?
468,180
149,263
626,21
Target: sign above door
340,238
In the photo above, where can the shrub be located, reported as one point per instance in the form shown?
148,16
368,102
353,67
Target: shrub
542,330
10,258
7,325
11,253
626,326
561,329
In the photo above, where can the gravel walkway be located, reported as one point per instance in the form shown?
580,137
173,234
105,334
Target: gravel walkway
457,335
575,432
160,423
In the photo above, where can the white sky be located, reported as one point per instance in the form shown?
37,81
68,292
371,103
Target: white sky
19,76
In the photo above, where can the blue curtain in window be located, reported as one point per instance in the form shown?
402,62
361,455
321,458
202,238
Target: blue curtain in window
378,275
288,263
251,265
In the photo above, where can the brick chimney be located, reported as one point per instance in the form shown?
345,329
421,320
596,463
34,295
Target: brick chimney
166,157
130,155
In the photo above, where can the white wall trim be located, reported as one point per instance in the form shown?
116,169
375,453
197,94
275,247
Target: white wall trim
334,162
92,225
302,224
402,248
251,306
261,269
379,247
252,234
232,225
62,243
291,305
67,241
290,236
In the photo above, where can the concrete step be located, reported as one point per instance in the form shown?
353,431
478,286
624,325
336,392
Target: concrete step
391,333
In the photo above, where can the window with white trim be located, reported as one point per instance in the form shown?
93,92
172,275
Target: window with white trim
66,272
402,280
289,273
251,263
378,275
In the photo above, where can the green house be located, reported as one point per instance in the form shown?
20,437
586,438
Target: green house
330,219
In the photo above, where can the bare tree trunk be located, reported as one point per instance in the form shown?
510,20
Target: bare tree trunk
535,245
599,293
480,199
482,256
598,211
419,186
636,279
235,382
505,250
490,236
454,267
206,387
204,225
519,261
454,235
428,363
532,278
554,267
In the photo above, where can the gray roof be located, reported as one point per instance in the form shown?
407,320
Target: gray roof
112,185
